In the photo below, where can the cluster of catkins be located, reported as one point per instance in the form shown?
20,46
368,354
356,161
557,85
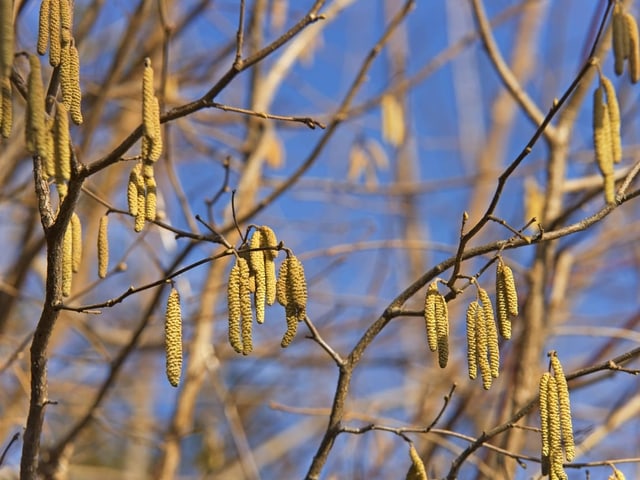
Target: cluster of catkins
482,331
254,274
555,421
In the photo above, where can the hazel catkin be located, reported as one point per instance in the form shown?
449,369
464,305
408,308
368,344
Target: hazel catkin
246,322
472,352
233,307
43,27
442,329
67,261
268,239
491,333
564,407
417,465
257,266
614,119
634,47
173,338
36,137
6,37
76,248
103,246
430,316
6,107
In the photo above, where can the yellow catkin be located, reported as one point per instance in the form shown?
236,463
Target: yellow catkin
420,473
617,474
132,189
65,70
269,240
565,407
65,15
156,143
62,151
148,121
6,118
442,328
43,27
75,109
234,309
6,37
482,349
67,261
256,263
543,402
54,33
553,415
296,287
602,133
36,136
50,150
173,337
506,298
103,247
292,328
634,47
614,119
472,352
491,333
151,199
245,307
140,205
76,230
430,316
281,283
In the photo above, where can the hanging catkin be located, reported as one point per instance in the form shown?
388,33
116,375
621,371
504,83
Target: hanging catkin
430,316
6,107
67,261
442,328
246,321
565,407
62,151
54,33
482,348
76,250
36,136
103,246
603,144
506,298
543,403
75,109
43,27
151,198
257,264
6,38
491,333
233,307
614,119
132,189
634,47
269,240
173,338
417,465
472,353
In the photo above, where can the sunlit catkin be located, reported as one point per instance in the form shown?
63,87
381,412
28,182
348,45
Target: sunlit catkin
553,415
482,349
6,37
148,121
430,316
491,332
36,137
246,322
62,151
420,473
256,263
156,142
6,107
43,27
151,199
543,403
602,133
506,298
472,352
292,328
76,250
132,189
55,43
67,261
173,338
281,283
233,307
634,47
141,209
617,474
103,246
65,15
75,109
614,119
297,287
269,239
565,407
65,72
442,328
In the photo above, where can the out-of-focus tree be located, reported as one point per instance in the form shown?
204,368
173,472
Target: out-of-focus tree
451,184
